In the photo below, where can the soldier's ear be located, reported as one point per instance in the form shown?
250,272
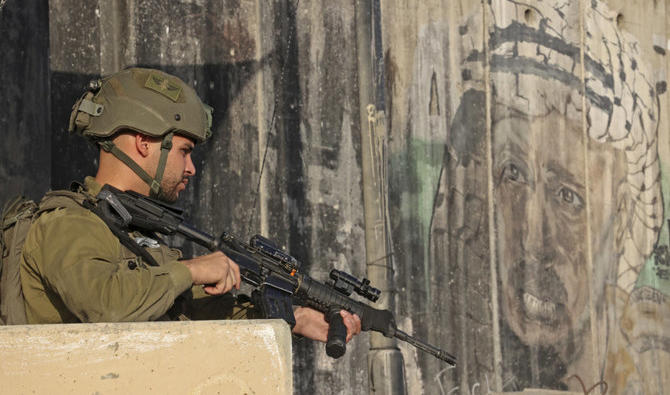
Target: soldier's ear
143,144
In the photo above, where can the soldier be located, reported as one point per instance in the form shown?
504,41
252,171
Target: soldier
75,269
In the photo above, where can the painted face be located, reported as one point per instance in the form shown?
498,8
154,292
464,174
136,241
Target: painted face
178,169
540,195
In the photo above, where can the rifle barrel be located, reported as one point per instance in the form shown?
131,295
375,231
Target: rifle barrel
430,349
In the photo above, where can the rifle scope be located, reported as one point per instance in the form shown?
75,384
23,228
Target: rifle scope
346,283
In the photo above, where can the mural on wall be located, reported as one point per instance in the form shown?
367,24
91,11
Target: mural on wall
569,158
528,198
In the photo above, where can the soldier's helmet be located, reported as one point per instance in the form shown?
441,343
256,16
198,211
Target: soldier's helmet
147,101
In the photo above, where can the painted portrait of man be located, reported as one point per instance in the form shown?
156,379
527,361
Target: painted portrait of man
569,159
542,221
540,185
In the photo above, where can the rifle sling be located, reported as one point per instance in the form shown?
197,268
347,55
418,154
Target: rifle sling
123,236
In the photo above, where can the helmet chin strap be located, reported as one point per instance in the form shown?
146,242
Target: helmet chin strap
153,182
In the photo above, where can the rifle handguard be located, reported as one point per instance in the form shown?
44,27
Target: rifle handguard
380,321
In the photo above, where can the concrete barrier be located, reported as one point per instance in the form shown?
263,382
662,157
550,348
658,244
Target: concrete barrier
195,357
537,391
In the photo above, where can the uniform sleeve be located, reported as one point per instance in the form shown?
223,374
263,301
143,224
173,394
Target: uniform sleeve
80,259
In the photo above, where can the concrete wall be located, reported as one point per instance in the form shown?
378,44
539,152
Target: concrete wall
527,157
527,170
203,357
25,114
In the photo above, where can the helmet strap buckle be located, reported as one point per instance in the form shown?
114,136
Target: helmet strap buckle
166,146
155,187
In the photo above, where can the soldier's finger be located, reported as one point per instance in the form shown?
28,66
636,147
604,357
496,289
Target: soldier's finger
350,332
236,274
212,289
229,282
350,323
233,279
357,322
221,287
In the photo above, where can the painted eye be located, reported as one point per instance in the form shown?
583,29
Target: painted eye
512,173
570,197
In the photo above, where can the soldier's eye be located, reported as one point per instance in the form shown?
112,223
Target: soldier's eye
570,197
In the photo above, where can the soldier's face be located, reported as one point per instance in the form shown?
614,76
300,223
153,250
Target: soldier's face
540,195
178,169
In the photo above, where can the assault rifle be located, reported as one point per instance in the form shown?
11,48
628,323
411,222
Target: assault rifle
274,275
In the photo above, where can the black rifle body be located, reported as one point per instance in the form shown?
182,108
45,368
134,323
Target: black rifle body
273,274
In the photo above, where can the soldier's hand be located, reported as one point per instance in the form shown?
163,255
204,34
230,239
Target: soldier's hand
312,324
218,273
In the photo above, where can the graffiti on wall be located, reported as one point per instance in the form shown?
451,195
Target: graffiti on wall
569,160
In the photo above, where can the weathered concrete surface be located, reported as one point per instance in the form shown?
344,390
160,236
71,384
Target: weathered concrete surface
464,214
528,145
537,391
197,357
284,157
443,289
24,102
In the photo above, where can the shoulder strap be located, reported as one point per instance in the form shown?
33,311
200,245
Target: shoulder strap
103,210
62,199
17,209
17,216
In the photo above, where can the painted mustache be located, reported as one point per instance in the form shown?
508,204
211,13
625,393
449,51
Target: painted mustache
540,293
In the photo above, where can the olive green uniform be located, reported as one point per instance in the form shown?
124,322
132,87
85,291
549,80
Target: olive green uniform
74,269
